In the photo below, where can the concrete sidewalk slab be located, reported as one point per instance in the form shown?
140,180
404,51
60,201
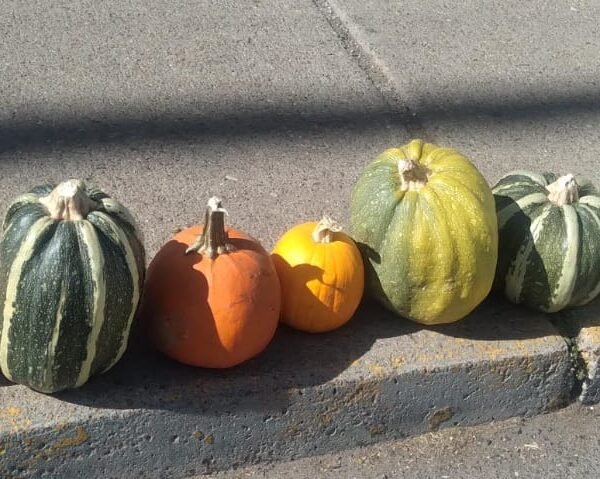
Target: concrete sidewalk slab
377,378
163,106
512,84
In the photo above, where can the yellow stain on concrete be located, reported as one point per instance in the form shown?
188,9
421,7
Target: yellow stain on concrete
397,361
490,350
326,419
593,333
38,454
10,411
377,369
439,416
80,437
13,417
377,430
294,430
208,439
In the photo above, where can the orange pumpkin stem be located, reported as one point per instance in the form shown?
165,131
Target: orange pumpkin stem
563,191
214,239
323,232
68,201
413,175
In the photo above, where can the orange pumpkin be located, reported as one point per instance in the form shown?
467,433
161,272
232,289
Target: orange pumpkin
321,274
212,296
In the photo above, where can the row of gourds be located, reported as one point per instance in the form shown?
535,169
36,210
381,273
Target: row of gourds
428,240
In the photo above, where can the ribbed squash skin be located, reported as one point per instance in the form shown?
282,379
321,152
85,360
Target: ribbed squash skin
68,291
211,313
549,255
430,255
321,283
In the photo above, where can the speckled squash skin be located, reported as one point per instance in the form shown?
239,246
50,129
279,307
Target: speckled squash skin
549,253
428,235
70,283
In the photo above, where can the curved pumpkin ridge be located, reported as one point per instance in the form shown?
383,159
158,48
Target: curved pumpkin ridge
588,286
481,213
378,196
299,255
231,333
415,150
396,255
481,228
344,255
323,289
566,282
431,299
466,262
517,270
475,251
525,179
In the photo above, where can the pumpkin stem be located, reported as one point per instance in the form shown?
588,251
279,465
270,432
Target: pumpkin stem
214,239
413,175
563,191
323,232
68,201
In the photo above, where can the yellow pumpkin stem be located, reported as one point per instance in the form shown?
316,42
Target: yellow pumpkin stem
563,191
323,232
214,239
413,175
68,201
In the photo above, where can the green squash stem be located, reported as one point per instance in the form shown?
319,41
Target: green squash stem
214,239
563,191
68,201
413,175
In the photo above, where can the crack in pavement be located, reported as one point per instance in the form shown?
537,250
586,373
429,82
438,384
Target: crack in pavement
375,70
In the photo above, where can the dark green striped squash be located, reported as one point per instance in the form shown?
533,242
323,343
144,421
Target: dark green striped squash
549,240
71,272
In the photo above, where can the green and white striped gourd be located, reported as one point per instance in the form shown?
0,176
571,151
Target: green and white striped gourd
549,240
71,272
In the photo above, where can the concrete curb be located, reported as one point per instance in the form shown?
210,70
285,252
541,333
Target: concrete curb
582,327
377,378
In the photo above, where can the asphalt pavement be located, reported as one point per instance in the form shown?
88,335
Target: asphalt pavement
558,445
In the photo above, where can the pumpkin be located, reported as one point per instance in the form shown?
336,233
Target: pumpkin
321,274
71,272
212,296
549,250
424,219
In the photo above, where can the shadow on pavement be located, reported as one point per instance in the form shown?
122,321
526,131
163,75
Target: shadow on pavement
496,320
294,360
239,122
247,119
570,322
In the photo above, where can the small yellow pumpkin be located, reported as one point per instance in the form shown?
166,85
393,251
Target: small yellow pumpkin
322,276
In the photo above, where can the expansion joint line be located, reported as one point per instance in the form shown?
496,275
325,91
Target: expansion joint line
371,66
578,365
